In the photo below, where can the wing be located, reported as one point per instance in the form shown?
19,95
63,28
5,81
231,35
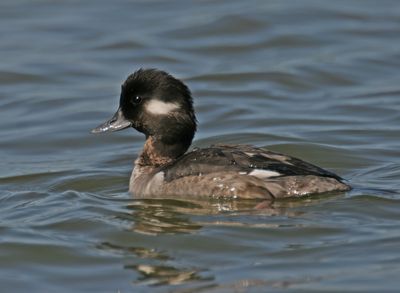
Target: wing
240,158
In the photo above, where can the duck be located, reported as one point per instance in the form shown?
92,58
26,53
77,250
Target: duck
160,106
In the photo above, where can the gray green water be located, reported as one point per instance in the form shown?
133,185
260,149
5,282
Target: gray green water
316,79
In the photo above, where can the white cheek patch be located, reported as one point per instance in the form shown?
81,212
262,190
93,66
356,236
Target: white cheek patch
157,107
263,174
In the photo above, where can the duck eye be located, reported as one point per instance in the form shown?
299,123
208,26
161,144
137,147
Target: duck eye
136,100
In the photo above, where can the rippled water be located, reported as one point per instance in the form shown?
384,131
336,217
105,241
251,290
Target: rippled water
316,79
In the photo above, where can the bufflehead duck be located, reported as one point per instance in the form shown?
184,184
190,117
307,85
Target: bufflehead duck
161,107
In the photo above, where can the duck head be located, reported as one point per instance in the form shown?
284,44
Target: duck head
158,105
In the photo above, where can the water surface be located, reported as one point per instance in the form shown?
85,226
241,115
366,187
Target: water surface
315,79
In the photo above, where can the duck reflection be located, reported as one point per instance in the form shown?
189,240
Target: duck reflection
164,216
152,266
153,217
165,275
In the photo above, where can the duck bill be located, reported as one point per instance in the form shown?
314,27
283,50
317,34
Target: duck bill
117,122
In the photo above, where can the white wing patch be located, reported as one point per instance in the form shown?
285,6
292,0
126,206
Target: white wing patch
263,174
157,107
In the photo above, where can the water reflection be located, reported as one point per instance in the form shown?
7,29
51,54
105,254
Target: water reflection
154,217
160,275
178,217
154,267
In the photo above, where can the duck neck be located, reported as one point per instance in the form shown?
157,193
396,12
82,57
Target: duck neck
158,152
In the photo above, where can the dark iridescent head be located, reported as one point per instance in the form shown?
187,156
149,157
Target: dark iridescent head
156,104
